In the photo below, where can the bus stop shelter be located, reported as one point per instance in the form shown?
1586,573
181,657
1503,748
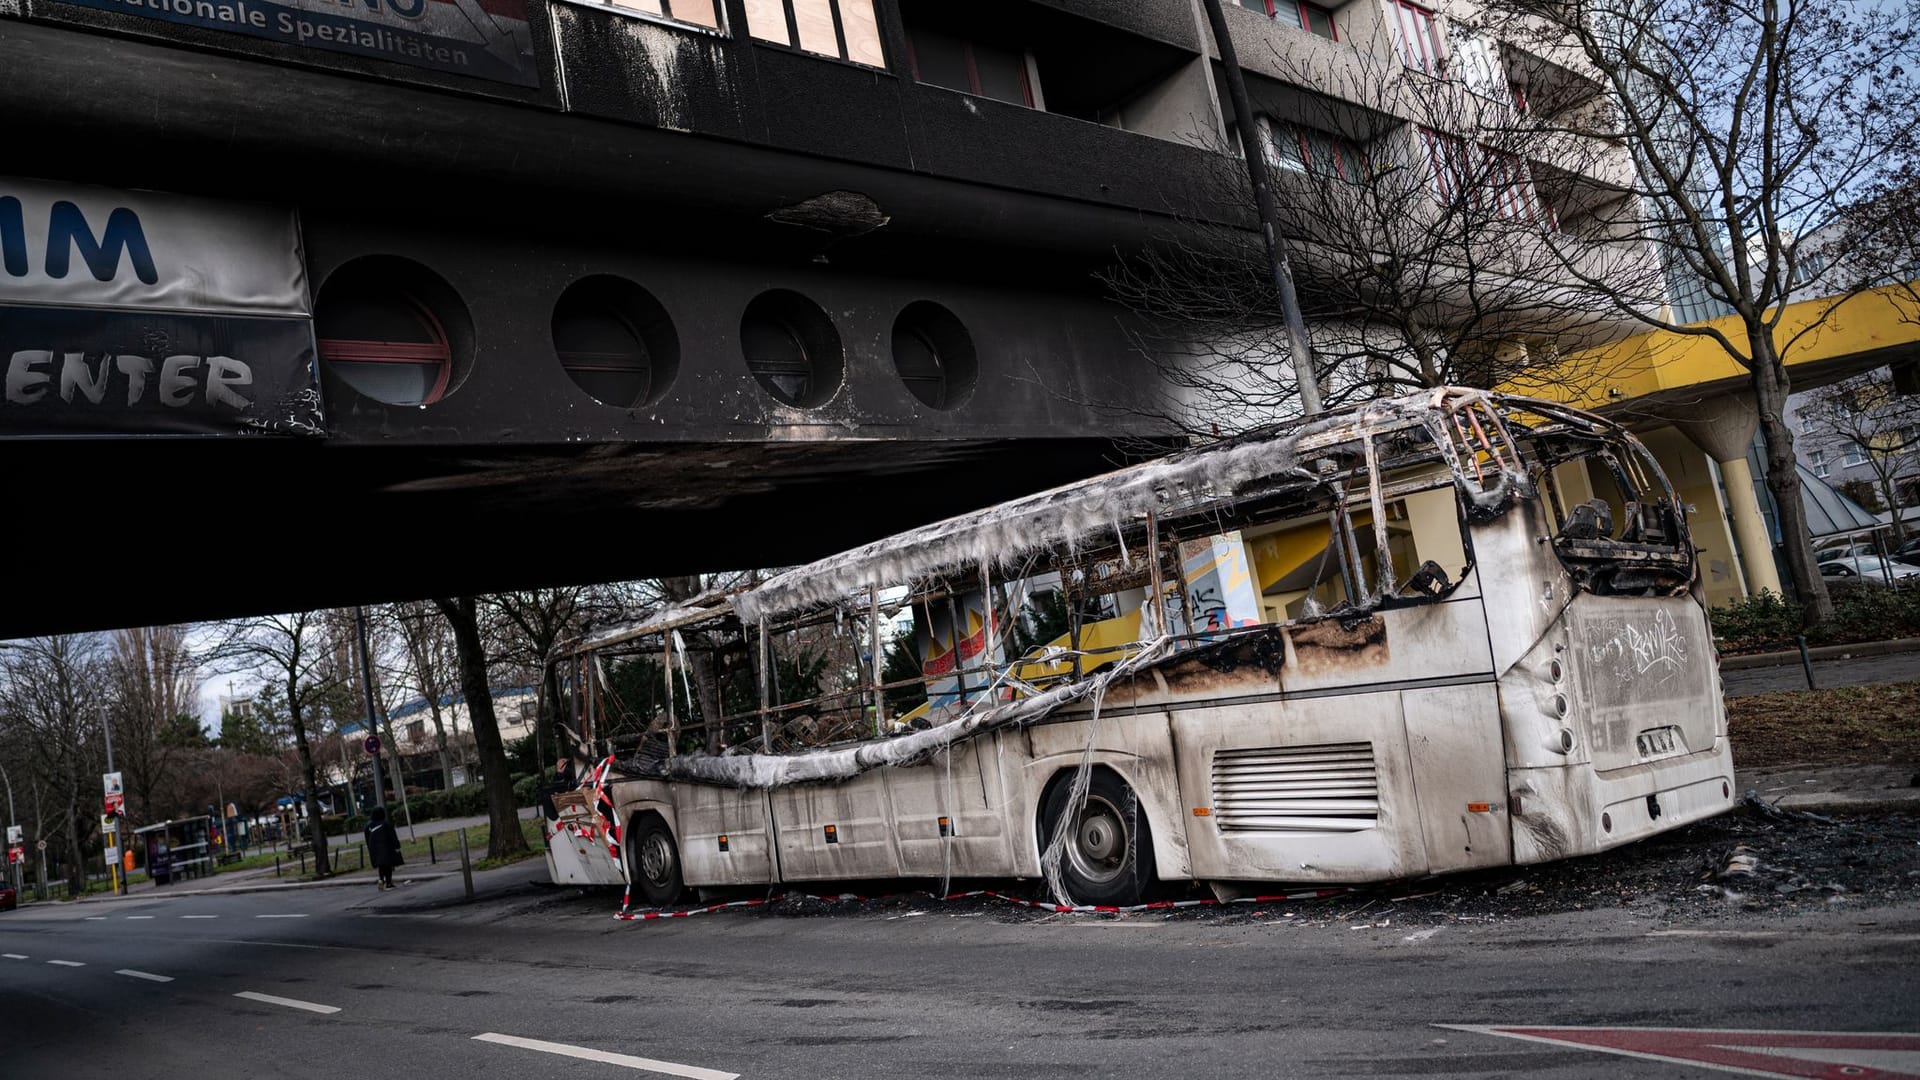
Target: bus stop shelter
178,849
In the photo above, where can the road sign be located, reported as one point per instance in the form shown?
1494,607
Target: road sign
116,798
40,845
16,834
1878,1055
372,744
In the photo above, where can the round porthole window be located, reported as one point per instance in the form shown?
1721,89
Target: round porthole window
615,341
792,349
393,330
933,353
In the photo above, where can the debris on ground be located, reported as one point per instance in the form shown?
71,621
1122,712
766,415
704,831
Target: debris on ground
1757,859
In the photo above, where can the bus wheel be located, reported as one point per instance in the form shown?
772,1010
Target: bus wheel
1109,854
656,861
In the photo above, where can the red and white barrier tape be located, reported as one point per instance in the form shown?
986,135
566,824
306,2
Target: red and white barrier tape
1042,905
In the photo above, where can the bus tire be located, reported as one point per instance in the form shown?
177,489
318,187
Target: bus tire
655,861
1108,858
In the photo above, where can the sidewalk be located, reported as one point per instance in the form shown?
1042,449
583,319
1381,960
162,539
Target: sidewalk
1833,666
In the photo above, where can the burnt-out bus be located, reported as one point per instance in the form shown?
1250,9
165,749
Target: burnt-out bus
1435,633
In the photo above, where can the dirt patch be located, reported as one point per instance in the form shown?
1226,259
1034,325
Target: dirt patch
1845,725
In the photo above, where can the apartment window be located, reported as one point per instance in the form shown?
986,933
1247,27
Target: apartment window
1818,458
1494,180
1853,454
1306,150
1510,191
1475,61
971,67
1447,164
1806,425
698,12
1307,16
841,28
1419,37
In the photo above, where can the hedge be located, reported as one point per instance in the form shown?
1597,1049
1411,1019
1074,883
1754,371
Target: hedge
1861,612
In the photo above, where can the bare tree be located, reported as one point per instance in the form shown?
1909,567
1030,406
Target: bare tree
463,617
52,703
1753,126
296,651
156,681
1421,214
530,624
1868,417
431,666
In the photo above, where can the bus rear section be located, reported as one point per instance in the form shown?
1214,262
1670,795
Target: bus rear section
1610,684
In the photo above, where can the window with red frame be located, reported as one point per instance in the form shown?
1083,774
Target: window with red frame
1504,184
1447,164
971,67
1307,16
1306,150
1419,37
1510,192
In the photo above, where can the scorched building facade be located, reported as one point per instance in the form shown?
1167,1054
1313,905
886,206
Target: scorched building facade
602,289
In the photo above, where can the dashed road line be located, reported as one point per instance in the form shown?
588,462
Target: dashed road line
668,1068
291,1003
279,916
139,916
16,956
96,918
66,963
149,976
199,916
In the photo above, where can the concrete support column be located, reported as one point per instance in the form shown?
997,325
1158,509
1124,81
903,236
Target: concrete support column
1723,426
1749,527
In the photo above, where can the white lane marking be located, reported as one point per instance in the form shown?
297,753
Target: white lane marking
15,956
692,1072
96,918
199,916
144,975
139,916
279,916
290,1003
66,963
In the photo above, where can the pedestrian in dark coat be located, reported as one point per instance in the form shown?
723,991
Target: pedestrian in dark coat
383,845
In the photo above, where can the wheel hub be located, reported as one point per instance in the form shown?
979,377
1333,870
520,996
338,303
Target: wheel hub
1099,848
656,859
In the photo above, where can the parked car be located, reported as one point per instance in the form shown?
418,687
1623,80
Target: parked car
1909,551
1866,568
1856,549
8,898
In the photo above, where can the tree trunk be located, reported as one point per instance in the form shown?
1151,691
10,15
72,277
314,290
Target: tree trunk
76,865
504,837
316,828
1770,390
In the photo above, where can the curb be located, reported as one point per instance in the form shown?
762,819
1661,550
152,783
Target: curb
336,881
1861,802
1823,652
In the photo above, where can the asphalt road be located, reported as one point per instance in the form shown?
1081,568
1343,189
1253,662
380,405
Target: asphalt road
425,988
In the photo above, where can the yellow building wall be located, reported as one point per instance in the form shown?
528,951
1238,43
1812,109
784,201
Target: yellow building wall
1692,477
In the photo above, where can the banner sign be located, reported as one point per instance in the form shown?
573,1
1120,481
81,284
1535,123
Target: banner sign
485,39
116,795
133,313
